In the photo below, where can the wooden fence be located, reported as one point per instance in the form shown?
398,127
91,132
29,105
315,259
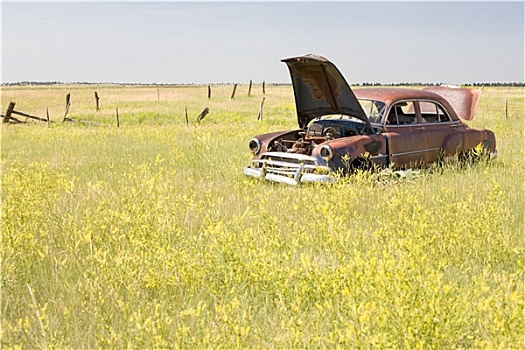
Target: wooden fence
509,108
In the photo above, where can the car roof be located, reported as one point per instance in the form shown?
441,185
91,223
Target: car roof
391,95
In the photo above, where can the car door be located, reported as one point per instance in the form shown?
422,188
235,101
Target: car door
437,125
405,134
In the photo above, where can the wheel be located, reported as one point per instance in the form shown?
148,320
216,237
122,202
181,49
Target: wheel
472,156
361,164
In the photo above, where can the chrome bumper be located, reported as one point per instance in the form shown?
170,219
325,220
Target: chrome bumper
299,176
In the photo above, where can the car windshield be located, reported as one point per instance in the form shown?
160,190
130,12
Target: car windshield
374,110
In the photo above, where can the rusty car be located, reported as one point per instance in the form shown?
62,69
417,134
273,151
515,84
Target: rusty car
341,130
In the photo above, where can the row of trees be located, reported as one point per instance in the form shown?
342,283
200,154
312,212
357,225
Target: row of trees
496,84
514,84
47,83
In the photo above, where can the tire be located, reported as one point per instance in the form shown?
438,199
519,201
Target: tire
472,156
466,158
361,164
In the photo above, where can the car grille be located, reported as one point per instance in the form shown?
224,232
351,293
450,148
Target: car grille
285,164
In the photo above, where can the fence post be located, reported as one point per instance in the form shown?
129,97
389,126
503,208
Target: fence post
8,112
260,116
250,89
96,101
233,93
506,108
118,121
209,91
68,103
203,114
186,114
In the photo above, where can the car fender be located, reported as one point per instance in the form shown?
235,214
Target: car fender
347,149
454,144
489,140
468,139
473,137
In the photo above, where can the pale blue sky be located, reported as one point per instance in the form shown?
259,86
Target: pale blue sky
212,42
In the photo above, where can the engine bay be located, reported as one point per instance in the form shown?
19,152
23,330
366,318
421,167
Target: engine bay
319,131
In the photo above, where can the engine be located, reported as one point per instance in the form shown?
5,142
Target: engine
318,132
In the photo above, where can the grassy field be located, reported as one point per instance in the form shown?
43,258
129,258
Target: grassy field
149,236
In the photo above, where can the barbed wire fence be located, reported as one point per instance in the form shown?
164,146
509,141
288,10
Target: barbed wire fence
508,108
499,107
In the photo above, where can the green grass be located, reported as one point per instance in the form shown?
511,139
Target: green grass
149,236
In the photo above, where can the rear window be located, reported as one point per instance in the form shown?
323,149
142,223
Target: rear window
432,113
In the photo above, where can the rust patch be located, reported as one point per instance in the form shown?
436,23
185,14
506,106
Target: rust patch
373,146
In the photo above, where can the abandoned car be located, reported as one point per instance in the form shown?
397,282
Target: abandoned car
341,130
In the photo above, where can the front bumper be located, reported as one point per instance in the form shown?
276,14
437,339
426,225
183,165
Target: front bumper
298,177
289,168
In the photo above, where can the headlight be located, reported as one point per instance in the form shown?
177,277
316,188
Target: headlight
326,152
255,146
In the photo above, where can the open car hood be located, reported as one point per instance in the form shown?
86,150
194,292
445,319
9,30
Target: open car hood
320,89
463,101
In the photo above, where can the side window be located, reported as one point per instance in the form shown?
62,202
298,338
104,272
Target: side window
429,112
432,113
402,113
443,116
